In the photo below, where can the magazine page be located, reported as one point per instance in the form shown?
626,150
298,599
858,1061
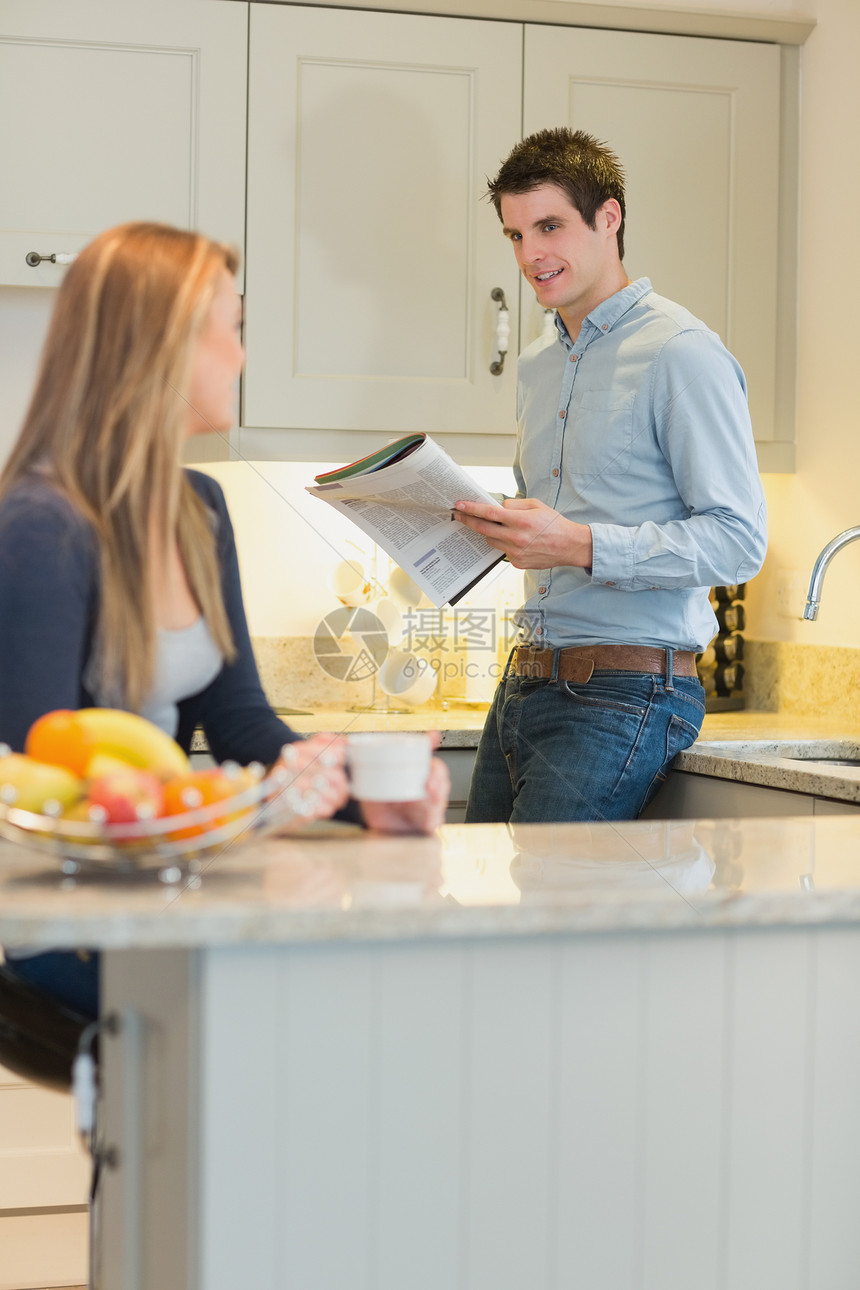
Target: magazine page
406,506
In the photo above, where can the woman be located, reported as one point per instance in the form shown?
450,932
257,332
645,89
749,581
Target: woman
119,581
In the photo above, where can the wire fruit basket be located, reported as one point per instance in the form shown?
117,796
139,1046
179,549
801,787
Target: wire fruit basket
171,846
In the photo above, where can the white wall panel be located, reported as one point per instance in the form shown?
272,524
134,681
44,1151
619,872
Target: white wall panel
834,1239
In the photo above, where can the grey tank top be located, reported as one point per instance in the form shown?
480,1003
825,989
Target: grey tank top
186,661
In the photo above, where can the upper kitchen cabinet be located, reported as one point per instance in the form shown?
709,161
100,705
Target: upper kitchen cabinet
116,112
371,258
696,124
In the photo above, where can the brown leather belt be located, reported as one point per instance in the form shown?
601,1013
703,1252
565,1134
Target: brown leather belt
577,662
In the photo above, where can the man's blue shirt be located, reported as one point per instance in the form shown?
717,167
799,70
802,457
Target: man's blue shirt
640,429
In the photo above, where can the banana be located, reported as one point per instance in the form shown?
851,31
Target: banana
133,739
102,763
31,784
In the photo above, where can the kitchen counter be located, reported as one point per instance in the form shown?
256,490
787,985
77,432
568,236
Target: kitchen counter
330,883
459,724
550,1055
745,746
777,750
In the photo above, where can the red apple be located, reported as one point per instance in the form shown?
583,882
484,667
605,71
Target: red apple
127,795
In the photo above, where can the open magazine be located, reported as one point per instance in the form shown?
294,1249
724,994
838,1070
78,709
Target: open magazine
402,497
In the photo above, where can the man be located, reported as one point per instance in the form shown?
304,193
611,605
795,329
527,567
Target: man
637,491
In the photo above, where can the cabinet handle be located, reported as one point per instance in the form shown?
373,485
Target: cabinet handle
503,331
33,258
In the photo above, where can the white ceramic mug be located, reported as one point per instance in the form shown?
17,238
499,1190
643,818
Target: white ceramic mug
405,591
388,612
349,582
388,767
407,678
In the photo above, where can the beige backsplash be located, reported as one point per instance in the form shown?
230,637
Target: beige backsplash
293,678
803,680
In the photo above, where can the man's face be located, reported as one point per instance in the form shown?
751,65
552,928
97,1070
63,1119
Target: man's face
570,267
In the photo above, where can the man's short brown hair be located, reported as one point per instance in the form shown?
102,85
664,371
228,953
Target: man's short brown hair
585,170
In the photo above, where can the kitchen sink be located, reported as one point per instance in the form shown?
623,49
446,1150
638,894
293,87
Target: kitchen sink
826,761
823,752
843,753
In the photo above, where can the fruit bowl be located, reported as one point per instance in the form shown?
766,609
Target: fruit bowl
172,845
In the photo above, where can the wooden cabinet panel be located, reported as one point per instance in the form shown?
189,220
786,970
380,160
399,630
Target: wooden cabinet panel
44,1180
460,763
830,806
371,257
659,1109
696,125
42,1162
686,796
122,112
43,1250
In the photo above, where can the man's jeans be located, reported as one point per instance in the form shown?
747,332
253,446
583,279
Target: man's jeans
559,751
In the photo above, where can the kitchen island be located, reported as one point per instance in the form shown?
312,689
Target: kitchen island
609,1056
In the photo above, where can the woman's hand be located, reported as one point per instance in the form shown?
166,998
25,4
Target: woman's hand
316,784
413,817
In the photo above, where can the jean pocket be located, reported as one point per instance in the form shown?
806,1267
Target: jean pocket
600,692
680,734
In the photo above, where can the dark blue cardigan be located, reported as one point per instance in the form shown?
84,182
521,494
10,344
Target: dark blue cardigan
49,590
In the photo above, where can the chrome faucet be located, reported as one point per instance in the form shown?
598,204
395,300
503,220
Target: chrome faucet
813,596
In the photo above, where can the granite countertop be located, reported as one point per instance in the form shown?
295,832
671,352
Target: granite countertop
469,880
772,749
752,747
459,724
777,750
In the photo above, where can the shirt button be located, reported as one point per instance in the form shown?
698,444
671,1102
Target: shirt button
542,590
562,414
610,584
606,327
539,631
555,473
573,358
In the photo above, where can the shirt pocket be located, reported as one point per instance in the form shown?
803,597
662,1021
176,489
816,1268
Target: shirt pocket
601,441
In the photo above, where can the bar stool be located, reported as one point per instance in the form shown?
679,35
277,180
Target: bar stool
39,1037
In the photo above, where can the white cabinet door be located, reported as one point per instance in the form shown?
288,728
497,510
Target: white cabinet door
44,1176
371,258
696,125
114,112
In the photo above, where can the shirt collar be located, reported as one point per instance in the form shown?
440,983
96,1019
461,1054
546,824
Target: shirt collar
604,317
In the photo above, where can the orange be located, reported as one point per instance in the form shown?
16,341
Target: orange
197,789
58,739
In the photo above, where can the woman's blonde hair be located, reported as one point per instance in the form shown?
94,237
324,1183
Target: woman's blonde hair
107,421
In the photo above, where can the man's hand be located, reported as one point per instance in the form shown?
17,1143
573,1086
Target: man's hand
532,535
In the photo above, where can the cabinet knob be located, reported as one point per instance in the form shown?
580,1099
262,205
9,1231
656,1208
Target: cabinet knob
503,331
33,258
